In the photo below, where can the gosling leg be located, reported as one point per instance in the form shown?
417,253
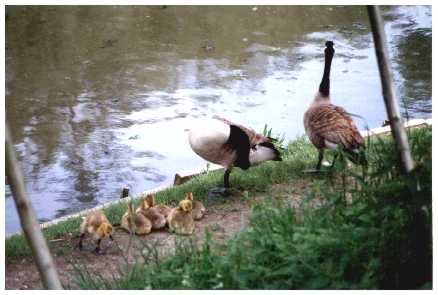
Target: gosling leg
97,250
79,245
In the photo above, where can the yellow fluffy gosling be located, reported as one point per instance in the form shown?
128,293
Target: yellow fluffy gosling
198,209
97,225
180,219
151,212
140,226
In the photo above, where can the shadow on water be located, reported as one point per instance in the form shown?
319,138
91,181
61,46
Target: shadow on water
412,36
416,68
100,97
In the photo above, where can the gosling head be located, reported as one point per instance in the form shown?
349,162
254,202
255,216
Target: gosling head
148,202
185,205
189,196
105,229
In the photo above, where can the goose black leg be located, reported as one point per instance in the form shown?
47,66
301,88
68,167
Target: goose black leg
221,191
227,178
320,157
318,166
334,159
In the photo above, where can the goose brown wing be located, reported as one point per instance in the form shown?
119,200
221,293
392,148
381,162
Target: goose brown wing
334,124
254,137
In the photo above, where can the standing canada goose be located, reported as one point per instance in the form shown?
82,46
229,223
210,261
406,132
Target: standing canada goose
222,142
330,126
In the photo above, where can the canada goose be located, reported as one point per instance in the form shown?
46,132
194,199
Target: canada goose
180,219
96,224
228,144
330,126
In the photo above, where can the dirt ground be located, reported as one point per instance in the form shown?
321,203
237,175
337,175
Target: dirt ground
224,219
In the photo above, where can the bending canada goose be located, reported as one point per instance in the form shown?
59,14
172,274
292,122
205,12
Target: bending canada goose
330,126
222,142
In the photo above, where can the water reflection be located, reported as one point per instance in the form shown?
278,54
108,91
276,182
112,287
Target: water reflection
99,98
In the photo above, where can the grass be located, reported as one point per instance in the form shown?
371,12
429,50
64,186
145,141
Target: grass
260,178
17,246
372,229
371,233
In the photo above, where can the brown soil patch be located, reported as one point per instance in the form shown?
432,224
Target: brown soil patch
224,219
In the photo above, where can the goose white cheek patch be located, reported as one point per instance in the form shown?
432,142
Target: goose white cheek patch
260,154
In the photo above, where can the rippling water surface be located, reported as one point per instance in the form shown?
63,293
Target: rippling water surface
100,97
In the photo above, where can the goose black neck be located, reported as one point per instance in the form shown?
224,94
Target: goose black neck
324,87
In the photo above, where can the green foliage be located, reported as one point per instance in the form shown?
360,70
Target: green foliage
372,234
16,245
278,140
405,214
370,230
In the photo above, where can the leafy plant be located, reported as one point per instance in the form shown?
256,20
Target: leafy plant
278,140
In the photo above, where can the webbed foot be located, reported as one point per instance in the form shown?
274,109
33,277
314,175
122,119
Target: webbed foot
98,251
219,192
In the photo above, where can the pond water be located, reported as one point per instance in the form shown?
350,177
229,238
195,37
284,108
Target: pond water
100,97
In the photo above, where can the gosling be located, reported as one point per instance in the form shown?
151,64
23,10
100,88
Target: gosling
180,219
151,212
135,222
97,225
198,209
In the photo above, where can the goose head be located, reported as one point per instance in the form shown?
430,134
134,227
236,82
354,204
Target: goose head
263,152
